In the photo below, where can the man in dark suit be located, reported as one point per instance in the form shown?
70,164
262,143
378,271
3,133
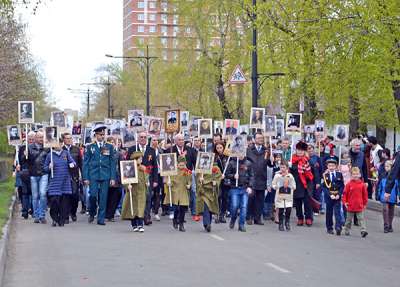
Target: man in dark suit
150,162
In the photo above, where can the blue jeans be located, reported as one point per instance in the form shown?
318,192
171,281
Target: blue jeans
239,199
206,215
39,195
192,200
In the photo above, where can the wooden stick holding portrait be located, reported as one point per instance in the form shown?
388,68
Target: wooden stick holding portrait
130,197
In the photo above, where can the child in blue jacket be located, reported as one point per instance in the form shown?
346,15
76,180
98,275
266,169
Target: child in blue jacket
388,206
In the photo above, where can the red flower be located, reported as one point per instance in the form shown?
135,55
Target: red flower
215,169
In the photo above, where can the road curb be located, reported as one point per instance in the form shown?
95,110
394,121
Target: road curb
377,206
5,239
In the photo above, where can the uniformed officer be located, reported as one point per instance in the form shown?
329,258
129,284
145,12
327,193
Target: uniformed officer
99,172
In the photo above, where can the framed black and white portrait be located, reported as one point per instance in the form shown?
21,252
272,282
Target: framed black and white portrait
293,123
135,118
194,126
51,136
14,135
185,121
205,128
341,133
218,127
26,112
58,119
309,134
280,128
168,164
320,127
172,121
257,118
238,146
129,171
270,126
128,136
204,162
77,128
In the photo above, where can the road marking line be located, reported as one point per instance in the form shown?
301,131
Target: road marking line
278,268
217,237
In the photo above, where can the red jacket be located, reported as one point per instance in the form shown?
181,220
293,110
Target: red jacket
355,195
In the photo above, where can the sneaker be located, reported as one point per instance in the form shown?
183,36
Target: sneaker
207,227
135,229
242,228
330,231
364,234
141,229
36,220
90,219
347,233
54,224
386,229
43,221
231,224
157,217
117,213
390,229
338,232
287,225
171,216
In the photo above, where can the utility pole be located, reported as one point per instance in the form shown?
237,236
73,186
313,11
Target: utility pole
88,103
88,93
254,60
147,60
108,84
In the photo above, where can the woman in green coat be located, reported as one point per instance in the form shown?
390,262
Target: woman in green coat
207,195
135,198
179,185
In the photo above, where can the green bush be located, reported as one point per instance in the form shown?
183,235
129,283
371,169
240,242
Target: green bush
6,192
5,149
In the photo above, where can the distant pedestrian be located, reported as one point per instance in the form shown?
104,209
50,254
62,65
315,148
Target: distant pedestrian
355,199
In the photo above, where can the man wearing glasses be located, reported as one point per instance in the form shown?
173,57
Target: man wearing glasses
99,172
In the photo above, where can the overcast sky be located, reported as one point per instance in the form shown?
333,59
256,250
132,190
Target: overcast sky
69,39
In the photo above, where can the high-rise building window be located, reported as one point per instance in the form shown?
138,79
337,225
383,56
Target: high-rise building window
165,55
164,42
164,18
140,5
140,29
152,17
152,29
164,30
140,17
164,6
152,5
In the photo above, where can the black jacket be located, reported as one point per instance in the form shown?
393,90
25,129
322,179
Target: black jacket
259,166
37,156
76,156
393,175
149,160
246,176
191,155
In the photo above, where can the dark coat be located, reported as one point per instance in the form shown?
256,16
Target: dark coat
36,158
358,160
149,161
77,157
99,165
332,188
259,166
394,175
246,175
191,155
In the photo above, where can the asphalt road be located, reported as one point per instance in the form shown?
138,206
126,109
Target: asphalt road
90,255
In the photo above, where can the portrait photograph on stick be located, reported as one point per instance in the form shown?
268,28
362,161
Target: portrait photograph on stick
26,112
128,136
172,121
218,127
129,172
205,128
293,123
238,146
50,137
341,133
231,127
270,126
280,128
14,135
168,164
58,119
185,120
135,118
257,118
204,162
155,126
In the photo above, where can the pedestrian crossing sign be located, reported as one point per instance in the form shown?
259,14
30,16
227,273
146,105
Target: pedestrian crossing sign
238,76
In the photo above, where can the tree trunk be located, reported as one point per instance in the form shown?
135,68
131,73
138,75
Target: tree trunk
381,135
396,95
354,117
222,100
239,102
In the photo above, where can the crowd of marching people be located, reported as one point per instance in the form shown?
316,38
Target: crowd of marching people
265,185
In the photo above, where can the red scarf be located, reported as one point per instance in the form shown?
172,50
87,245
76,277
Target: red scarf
303,168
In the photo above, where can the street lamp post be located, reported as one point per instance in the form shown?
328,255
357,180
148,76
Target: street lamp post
108,84
147,61
254,60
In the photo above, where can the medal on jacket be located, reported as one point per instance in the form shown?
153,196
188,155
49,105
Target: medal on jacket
92,149
105,151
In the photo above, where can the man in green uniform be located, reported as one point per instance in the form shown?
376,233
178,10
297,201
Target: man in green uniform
99,172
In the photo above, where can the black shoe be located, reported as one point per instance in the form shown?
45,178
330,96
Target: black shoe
207,227
61,224
164,213
386,229
330,231
91,219
364,234
232,224
287,225
25,216
181,227
338,232
242,228
83,211
281,227
390,229
217,220
36,220
30,211
73,217
222,219
66,221
101,223
258,222
54,224
175,224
